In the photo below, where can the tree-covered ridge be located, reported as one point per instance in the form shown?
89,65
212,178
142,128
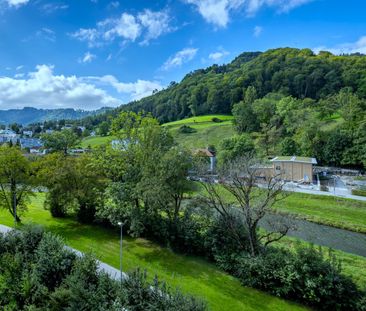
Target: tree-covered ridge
295,72
29,115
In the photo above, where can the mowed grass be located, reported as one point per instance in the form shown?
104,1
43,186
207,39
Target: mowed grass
192,275
336,212
96,141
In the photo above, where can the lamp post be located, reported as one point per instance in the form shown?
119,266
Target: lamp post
120,223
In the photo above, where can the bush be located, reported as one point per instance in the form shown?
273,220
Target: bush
216,120
306,276
186,129
360,192
51,277
222,245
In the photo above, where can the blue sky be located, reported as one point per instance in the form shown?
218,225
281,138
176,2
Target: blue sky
87,54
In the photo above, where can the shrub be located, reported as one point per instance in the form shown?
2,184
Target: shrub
360,192
306,276
186,129
51,277
216,120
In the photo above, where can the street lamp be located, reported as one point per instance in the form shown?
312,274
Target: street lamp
120,223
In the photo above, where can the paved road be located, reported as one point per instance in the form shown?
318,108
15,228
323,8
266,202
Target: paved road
317,192
344,240
111,271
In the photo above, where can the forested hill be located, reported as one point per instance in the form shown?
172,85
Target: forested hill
30,115
299,73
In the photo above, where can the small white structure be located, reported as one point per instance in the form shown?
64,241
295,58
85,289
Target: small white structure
28,133
209,154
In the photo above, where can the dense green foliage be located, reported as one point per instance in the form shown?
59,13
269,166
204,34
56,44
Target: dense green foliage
37,272
16,181
290,101
142,179
292,72
306,275
60,141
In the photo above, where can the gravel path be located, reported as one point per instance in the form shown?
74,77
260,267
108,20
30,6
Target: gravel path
111,271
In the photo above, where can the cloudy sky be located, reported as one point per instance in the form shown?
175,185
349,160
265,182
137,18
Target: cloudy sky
88,54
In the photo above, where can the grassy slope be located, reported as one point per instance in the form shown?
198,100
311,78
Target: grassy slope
191,274
337,212
208,132
96,141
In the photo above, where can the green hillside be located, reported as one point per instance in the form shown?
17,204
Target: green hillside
95,141
207,132
289,101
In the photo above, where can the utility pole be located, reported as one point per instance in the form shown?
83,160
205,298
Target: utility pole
120,223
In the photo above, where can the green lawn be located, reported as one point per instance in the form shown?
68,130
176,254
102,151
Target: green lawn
96,141
337,212
193,275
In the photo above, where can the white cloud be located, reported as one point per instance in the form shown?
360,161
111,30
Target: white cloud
156,24
50,8
125,27
113,5
218,12
257,31
148,25
87,58
88,35
43,89
16,3
47,34
346,48
180,58
217,56
137,90
20,67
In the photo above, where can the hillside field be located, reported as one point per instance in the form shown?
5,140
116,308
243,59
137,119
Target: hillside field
207,132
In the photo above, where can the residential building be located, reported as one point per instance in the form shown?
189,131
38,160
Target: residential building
30,143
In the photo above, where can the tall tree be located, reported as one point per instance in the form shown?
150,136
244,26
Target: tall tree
15,181
251,201
61,141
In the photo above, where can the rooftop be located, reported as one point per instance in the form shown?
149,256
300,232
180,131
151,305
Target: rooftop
203,153
295,159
